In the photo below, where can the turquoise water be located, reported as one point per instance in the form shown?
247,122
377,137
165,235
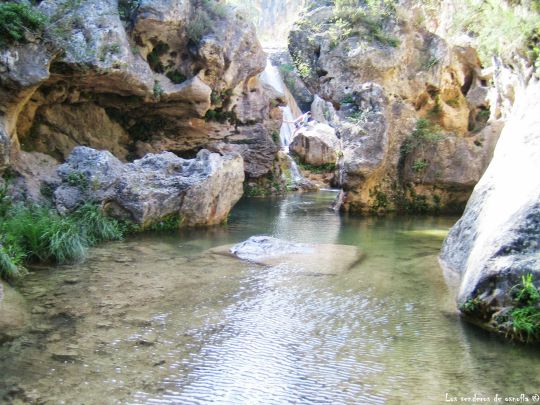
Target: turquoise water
157,319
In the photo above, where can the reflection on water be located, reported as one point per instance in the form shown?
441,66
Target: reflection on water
155,319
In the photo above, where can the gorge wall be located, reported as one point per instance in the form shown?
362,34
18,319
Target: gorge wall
136,78
417,116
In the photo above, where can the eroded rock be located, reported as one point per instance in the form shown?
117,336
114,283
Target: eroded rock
497,240
316,144
202,191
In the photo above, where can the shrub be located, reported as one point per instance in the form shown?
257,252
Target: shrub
18,18
176,77
199,24
352,16
499,27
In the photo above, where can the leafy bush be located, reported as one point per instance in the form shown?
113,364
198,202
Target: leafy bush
499,27
176,77
199,24
18,18
352,17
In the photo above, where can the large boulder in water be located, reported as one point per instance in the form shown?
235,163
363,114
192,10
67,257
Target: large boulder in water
202,190
316,144
311,258
497,240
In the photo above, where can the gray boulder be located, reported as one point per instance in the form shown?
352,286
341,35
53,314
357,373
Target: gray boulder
202,191
497,240
302,258
316,144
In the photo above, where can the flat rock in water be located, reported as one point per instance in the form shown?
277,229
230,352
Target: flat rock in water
308,258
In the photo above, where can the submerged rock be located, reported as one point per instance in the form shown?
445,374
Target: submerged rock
201,191
260,248
14,314
307,258
497,240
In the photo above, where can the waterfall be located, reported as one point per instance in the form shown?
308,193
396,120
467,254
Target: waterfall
271,77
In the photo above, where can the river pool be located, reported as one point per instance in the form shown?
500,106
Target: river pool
156,319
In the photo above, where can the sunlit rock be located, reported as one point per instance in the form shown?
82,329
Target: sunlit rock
199,191
310,258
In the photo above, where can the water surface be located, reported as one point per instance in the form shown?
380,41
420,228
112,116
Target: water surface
156,319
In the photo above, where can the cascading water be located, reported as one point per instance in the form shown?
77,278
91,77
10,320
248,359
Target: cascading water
271,77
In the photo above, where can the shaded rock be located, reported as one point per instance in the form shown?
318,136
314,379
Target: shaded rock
497,240
140,85
35,176
316,144
201,191
303,258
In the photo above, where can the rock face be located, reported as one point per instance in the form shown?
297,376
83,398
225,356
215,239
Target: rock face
201,191
136,78
316,144
412,112
498,240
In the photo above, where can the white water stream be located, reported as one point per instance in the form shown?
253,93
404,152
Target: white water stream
271,77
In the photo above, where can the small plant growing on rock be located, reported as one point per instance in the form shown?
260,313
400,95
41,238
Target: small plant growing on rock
176,77
525,317
158,90
77,179
419,165
17,19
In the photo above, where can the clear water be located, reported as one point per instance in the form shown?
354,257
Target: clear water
157,320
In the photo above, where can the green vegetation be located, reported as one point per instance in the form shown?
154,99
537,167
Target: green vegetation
17,19
176,77
127,9
77,179
112,49
358,118
425,132
501,27
524,318
366,18
470,306
220,116
348,99
324,168
199,24
252,190
379,201
158,90
419,165
169,223
522,321
32,233
432,61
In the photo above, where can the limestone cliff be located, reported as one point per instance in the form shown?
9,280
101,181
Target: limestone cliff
414,113
138,77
